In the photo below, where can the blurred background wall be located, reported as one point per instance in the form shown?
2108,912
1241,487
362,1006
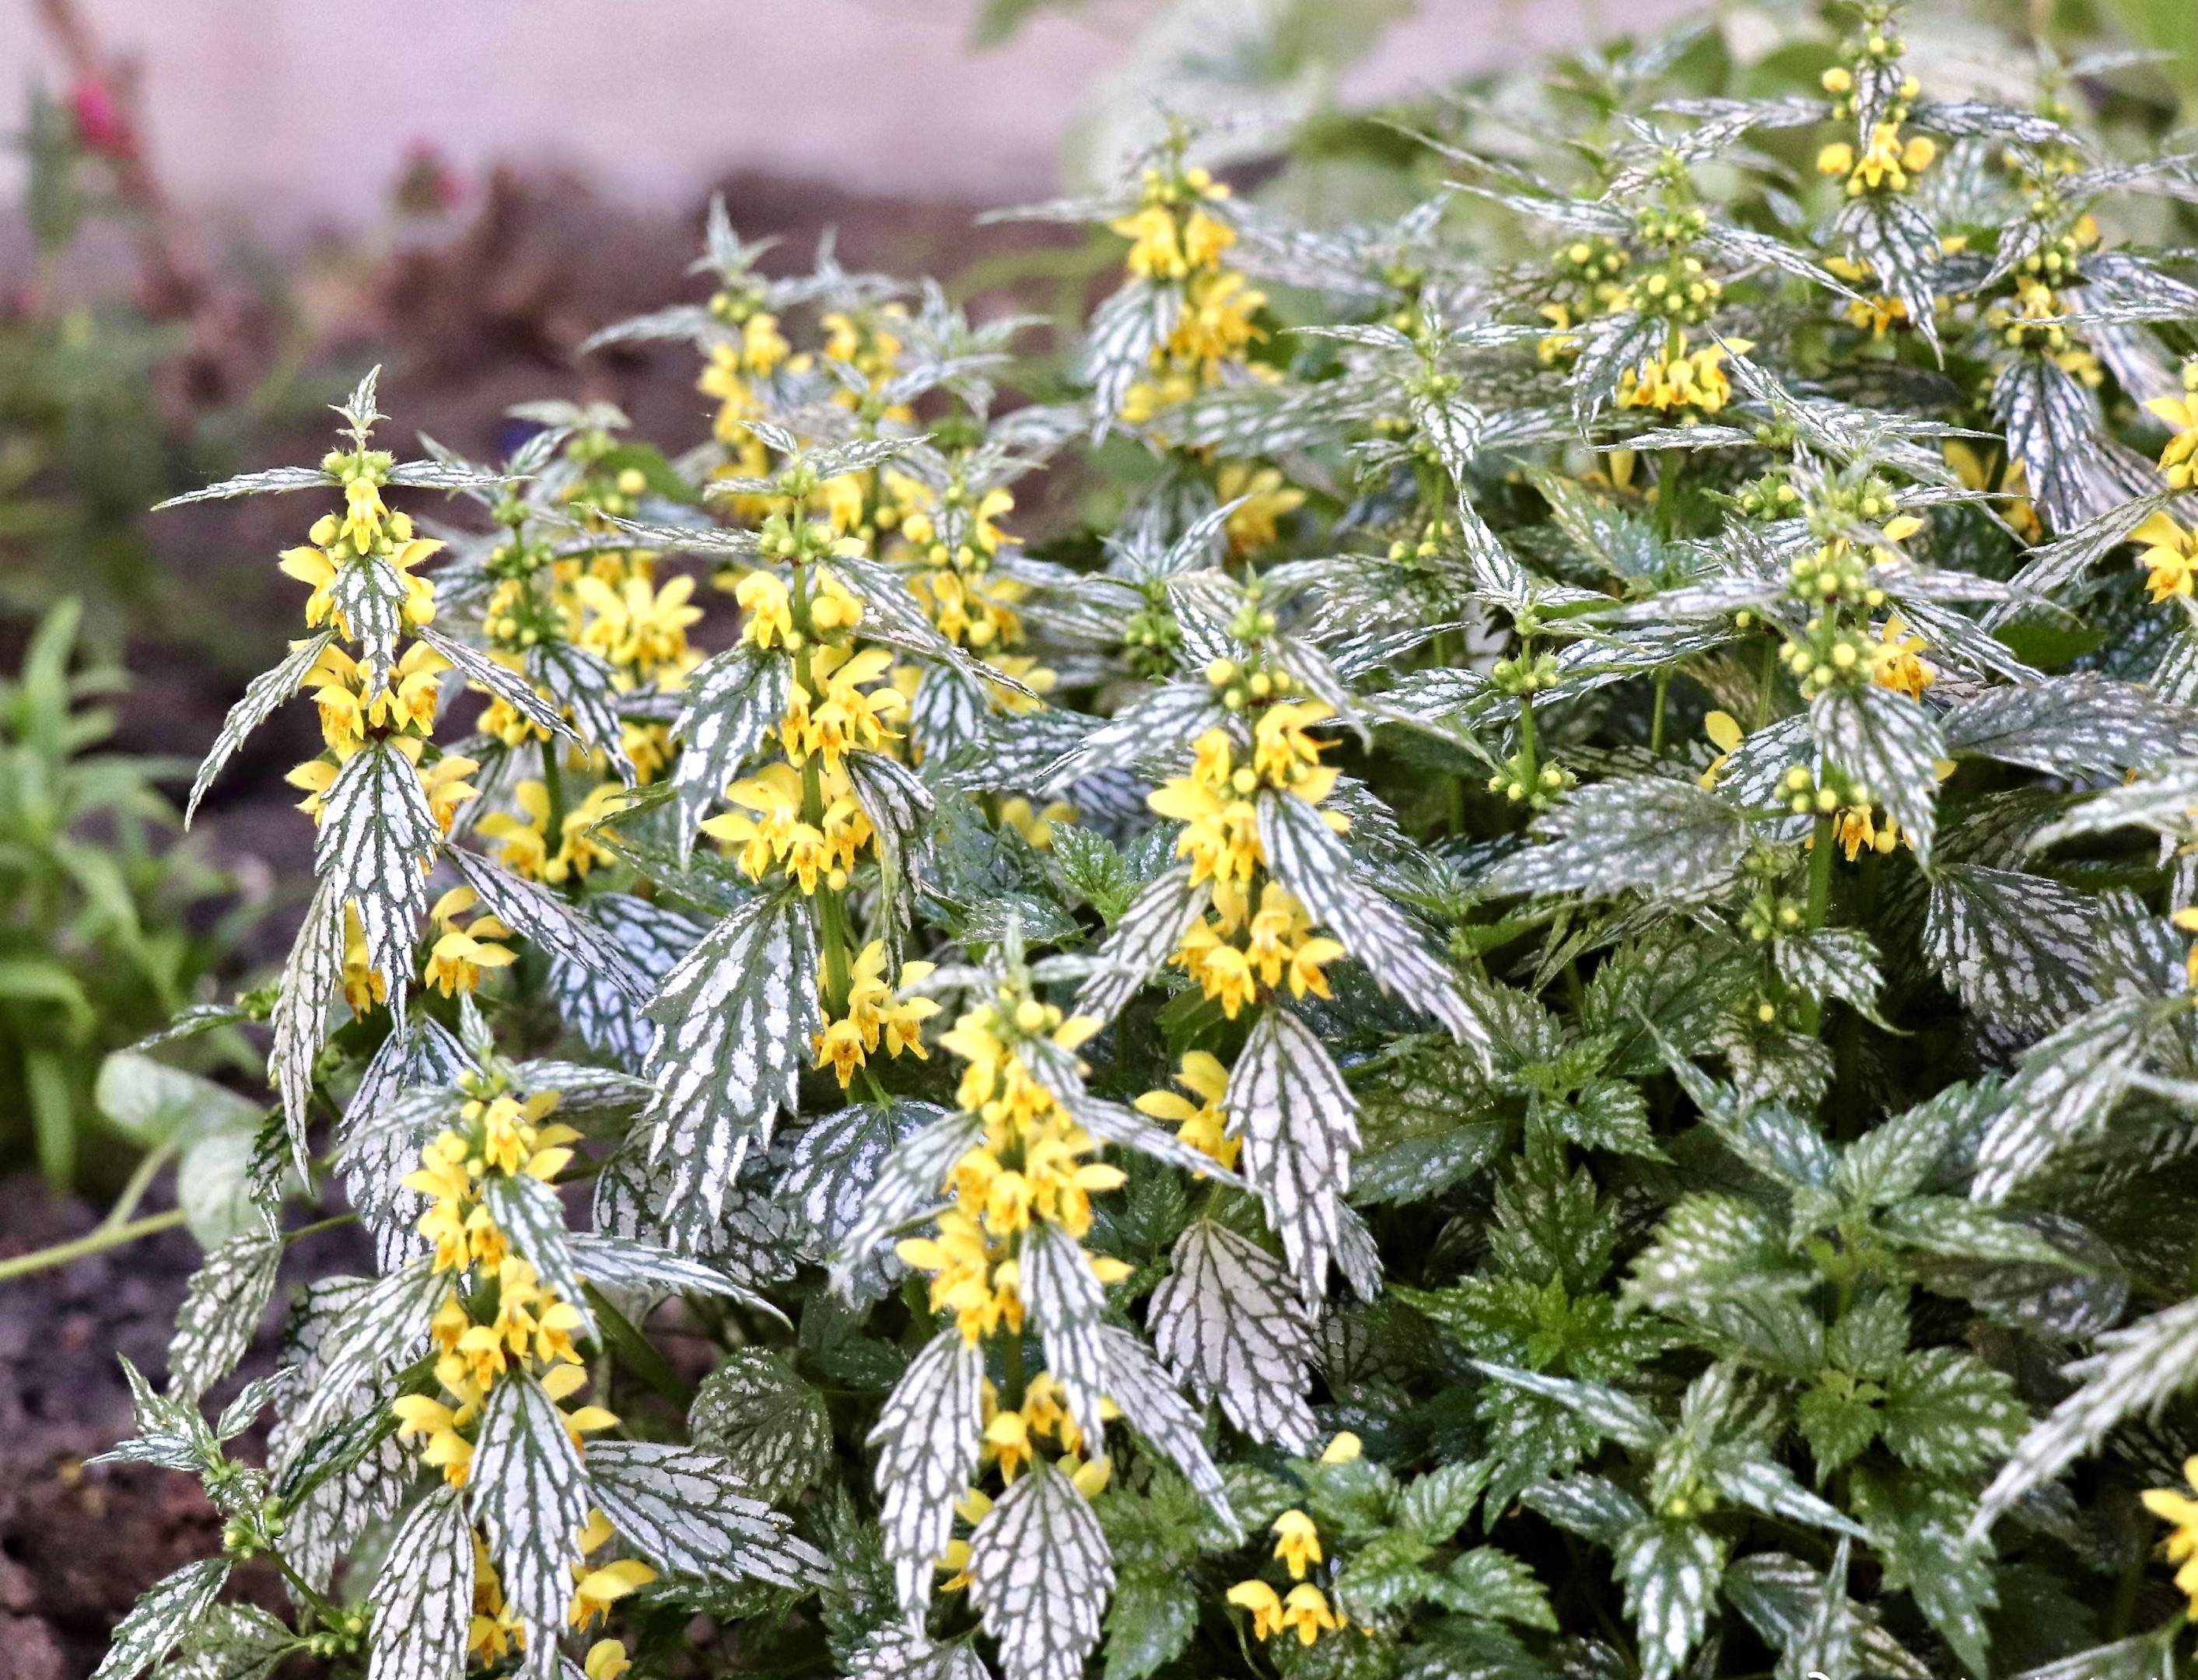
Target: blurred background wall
271,108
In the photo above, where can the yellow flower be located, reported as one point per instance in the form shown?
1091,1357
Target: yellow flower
1307,1610
2170,557
363,513
1036,826
1265,500
769,609
1725,735
1894,661
1201,1126
1297,1543
445,785
460,953
1343,1450
605,1660
1680,379
1266,1608
2172,1505
642,630
769,812
2179,459
364,987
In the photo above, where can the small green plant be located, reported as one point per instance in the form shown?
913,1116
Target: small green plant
97,947
1570,1039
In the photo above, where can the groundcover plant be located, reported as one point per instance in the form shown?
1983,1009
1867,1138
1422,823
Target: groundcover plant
1534,1016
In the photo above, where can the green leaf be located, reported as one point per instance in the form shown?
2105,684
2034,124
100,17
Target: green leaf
769,1424
1671,1571
152,1103
1887,742
162,1615
1150,1620
1096,871
1383,1573
1918,1526
1651,834
1436,1505
1948,1412
231,1642
1489,1582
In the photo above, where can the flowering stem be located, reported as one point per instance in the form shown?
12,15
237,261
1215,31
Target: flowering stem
1669,464
634,1347
1767,683
94,1242
1820,902
553,782
1530,768
1656,718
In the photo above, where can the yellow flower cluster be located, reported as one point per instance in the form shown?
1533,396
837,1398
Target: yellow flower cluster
1011,1439
1680,379
734,367
1887,163
868,340
1173,238
830,712
1031,1165
875,1015
495,1633
2172,1505
1249,941
1264,501
1304,1610
2179,459
523,839
2170,557
2034,324
769,829
1201,1124
462,950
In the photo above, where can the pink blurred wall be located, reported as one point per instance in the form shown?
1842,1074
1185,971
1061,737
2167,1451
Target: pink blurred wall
296,112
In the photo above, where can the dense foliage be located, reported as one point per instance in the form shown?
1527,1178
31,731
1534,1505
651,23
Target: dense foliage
1564,953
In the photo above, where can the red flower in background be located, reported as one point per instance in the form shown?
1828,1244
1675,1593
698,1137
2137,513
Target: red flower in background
100,122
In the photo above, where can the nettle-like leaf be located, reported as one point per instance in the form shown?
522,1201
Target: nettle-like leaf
1040,1573
1890,744
583,687
1065,1300
423,1598
594,1002
1671,1571
1650,835
501,682
160,1618
906,1184
301,1015
2076,725
231,1642
1918,1526
2015,948
927,1443
222,1309
1152,1407
1228,1322
369,594
377,837
899,808
2066,1089
262,696
689,1511
770,1426
1142,939
1298,1120
531,1213
734,1021
529,1493
732,701
900,1652
831,1163
1784,1600
553,924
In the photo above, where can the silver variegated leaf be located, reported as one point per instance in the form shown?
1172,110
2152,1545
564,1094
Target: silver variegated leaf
1151,1406
1040,1573
227,1297
369,594
383,1330
163,1613
584,687
1124,332
1168,719
834,1161
268,482
928,1441
605,1015
1611,1412
423,1598
1651,834
1143,939
770,1426
2133,1370
1307,857
1782,1597
909,1181
2055,429
405,1096
1299,1123
231,1642
1065,1301
550,921
531,1213
1830,962
899,807
377,838
1671,1570
262,696
1764,1484
529,1492
900,1651
1890,743
2082,724
500,681
2068,1088
301,1015
1228,1323
630,1262
734,1021
733,701
1112,1123
689,1511
2015,948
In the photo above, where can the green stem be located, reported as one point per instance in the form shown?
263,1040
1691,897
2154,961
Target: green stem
1656,719
134,1191
1669,462
1820,903
647,1363
328,1224
1530,767
1766,685
552,782
1012,1394
95,1242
